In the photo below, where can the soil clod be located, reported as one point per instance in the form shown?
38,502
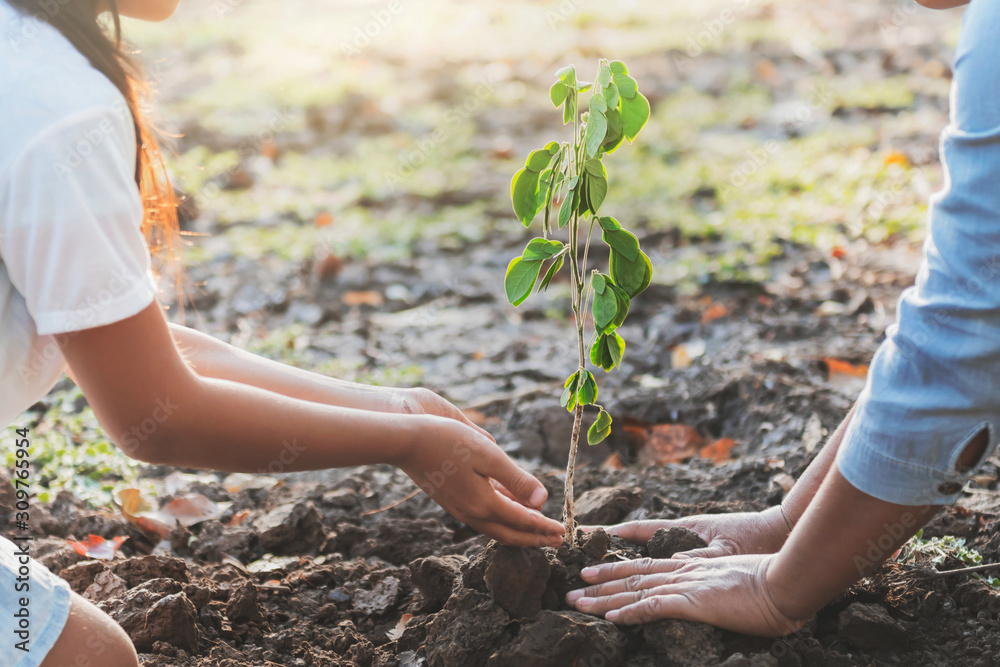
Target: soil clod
668,541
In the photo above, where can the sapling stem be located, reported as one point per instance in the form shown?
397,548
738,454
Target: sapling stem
575,175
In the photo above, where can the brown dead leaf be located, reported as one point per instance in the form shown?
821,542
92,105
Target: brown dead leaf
324,219
719,451
614,462
714,312
329,266
766,70
838,367
97,547
658,444
365,298
895,157
397,631
269,149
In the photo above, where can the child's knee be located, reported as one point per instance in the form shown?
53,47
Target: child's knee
91,637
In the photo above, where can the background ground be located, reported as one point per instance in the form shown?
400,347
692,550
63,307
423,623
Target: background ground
347,176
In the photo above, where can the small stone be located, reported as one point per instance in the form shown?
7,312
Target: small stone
435,578
666,542
378,600
869,626
595,543
735,660
606,505
243,606
339,595
149,618
106,585
292,528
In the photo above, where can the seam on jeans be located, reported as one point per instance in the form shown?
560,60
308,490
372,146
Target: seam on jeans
899,462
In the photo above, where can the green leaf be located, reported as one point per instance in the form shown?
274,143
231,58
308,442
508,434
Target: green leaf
605,310
600,429
597,190
617,67
587,393
598,103
616,131
541,249
584,86
583,203
598,283
627,87
597,129
631,276
552,147
623,304
624,242
611,96
567,75
553,270
524,195
635,113
520,279
609,224
566,210
599,354
604,76
538,160
569,396
558,93
595,167
569,109
616,346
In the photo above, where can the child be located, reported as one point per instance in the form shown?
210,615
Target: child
81,181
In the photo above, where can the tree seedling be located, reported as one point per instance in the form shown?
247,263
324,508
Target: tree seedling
568,182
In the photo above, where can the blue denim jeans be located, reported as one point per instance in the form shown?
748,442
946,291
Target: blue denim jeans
934,384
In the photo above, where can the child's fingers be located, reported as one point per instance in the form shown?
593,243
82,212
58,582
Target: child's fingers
524,488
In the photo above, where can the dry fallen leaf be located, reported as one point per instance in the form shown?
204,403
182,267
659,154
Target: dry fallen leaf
324,219
895,157
714,312
97,547
397,631
719,451
185,510
365,298
658,444
838,367
614,462
682,355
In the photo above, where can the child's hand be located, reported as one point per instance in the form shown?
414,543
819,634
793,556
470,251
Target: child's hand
467,474
420,401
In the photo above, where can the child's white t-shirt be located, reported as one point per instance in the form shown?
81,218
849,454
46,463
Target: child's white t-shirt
72,254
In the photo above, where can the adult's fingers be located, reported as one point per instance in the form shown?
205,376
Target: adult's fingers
670,605
633,584
605,604
600,574
716,550
639,531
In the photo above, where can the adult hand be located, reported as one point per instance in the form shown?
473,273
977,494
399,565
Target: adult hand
729,592
476,482
725,534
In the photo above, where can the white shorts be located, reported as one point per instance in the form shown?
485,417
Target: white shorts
34,605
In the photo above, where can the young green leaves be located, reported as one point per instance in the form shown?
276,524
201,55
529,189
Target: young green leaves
522,272
569,182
